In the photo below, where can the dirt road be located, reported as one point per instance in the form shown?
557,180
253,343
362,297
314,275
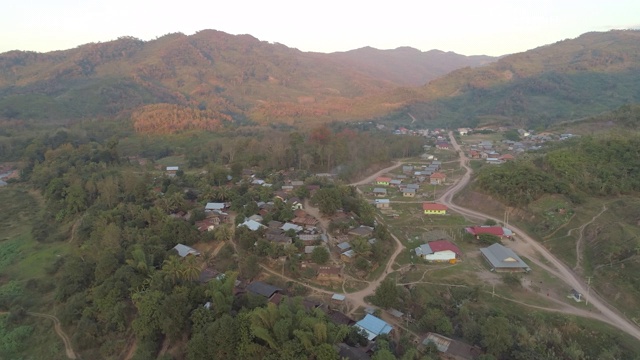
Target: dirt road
533,250
58,329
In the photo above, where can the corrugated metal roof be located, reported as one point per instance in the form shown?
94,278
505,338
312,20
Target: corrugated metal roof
338,297
502,257
374,326
184,250
423,250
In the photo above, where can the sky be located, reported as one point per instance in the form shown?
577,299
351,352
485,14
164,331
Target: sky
489,27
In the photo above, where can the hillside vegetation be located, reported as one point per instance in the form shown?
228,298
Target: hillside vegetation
215,76
580,197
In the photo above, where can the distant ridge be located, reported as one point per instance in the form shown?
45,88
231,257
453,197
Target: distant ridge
210,79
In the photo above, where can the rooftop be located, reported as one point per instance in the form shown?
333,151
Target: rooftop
502,257
264,289
184,250
374,326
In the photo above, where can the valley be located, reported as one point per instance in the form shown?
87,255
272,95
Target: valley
218,196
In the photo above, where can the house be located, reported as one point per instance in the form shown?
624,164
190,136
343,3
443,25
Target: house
207,224
380,192
278,236
328,273
287,188
382,203
441,250
506,157
339,298
273,224
443,145
374,326
434,209
364,231
172,170
296,183
463,131
290,226
295,203
498,231
395,182
210,207
474,154
252,225
494,161
343,246
437,178
453,349
256,217
503,259
184,250
309,238
407,169
348,255
408,192
335,316
383,181
263,289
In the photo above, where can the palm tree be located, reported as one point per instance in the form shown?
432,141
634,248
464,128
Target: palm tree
191,269
172,269
223,193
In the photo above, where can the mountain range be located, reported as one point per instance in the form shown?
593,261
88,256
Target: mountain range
202,81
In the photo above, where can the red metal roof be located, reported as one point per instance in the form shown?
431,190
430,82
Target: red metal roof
442,245
383,179
493,230
434,206
438,176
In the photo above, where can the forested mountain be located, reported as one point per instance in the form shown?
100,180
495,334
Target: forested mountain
571,79
408,66
211,78
220,75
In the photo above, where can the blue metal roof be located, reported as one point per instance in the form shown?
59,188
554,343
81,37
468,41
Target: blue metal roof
374,326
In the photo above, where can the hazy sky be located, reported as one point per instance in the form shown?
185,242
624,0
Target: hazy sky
491,27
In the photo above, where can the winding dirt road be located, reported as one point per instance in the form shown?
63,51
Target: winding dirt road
57,328
532,249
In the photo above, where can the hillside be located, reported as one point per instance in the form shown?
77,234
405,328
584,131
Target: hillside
571,79
211,78
408,66
224,75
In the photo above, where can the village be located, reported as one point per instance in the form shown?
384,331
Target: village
335,255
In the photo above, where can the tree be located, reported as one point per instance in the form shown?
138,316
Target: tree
387,294
220,291
496,335
191,269
172,269
146,325
320,255
435,320
250,267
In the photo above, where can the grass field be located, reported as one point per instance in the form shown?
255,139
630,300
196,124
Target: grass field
23,278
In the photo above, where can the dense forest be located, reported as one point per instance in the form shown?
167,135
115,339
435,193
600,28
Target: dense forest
600,166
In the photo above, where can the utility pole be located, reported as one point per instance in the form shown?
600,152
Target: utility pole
588,288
